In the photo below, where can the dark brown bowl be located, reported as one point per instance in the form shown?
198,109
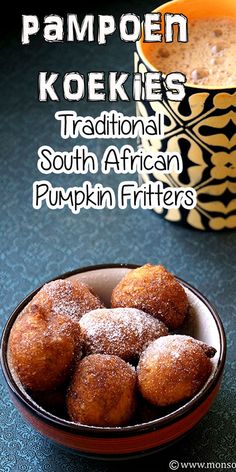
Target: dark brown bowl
129,441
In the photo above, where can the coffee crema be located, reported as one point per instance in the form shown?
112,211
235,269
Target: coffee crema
209,56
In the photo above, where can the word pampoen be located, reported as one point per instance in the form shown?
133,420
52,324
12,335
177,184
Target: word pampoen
98,86
111,86
55,28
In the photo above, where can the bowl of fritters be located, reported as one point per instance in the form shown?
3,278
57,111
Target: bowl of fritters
114,361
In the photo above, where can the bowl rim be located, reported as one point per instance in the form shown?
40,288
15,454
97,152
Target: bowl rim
136,429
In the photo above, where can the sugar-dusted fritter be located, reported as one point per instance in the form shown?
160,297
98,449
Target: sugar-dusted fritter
124,332
102,391
173,368
68,297
45,337
154,290
42,346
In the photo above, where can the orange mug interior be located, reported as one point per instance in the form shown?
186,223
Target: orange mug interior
193,9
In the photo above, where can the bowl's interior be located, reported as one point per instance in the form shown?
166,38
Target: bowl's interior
201,323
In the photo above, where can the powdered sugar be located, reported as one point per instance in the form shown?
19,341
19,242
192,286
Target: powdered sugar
173,369
120,331
71,297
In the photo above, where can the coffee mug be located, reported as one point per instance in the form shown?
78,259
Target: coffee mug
201,128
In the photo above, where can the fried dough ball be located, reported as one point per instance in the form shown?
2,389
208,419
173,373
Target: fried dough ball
42,346
172,369
102,392
123,332
154,290
46,336
68,297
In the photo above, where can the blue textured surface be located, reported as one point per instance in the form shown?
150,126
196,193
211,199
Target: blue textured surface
38,245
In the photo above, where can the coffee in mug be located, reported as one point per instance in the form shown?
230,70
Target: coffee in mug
209,56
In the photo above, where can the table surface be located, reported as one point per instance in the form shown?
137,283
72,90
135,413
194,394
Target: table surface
38,245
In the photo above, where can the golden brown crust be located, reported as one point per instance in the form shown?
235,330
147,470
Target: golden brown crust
172,369
209,350
123,332
154,290
45,337
102,391
42,347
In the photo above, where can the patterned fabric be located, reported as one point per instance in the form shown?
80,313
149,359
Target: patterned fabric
202,129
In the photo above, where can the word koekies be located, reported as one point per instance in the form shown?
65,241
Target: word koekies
111,86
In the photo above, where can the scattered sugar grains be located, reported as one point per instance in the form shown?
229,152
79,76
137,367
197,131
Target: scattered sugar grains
120,331
70,297
45,339
173,369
